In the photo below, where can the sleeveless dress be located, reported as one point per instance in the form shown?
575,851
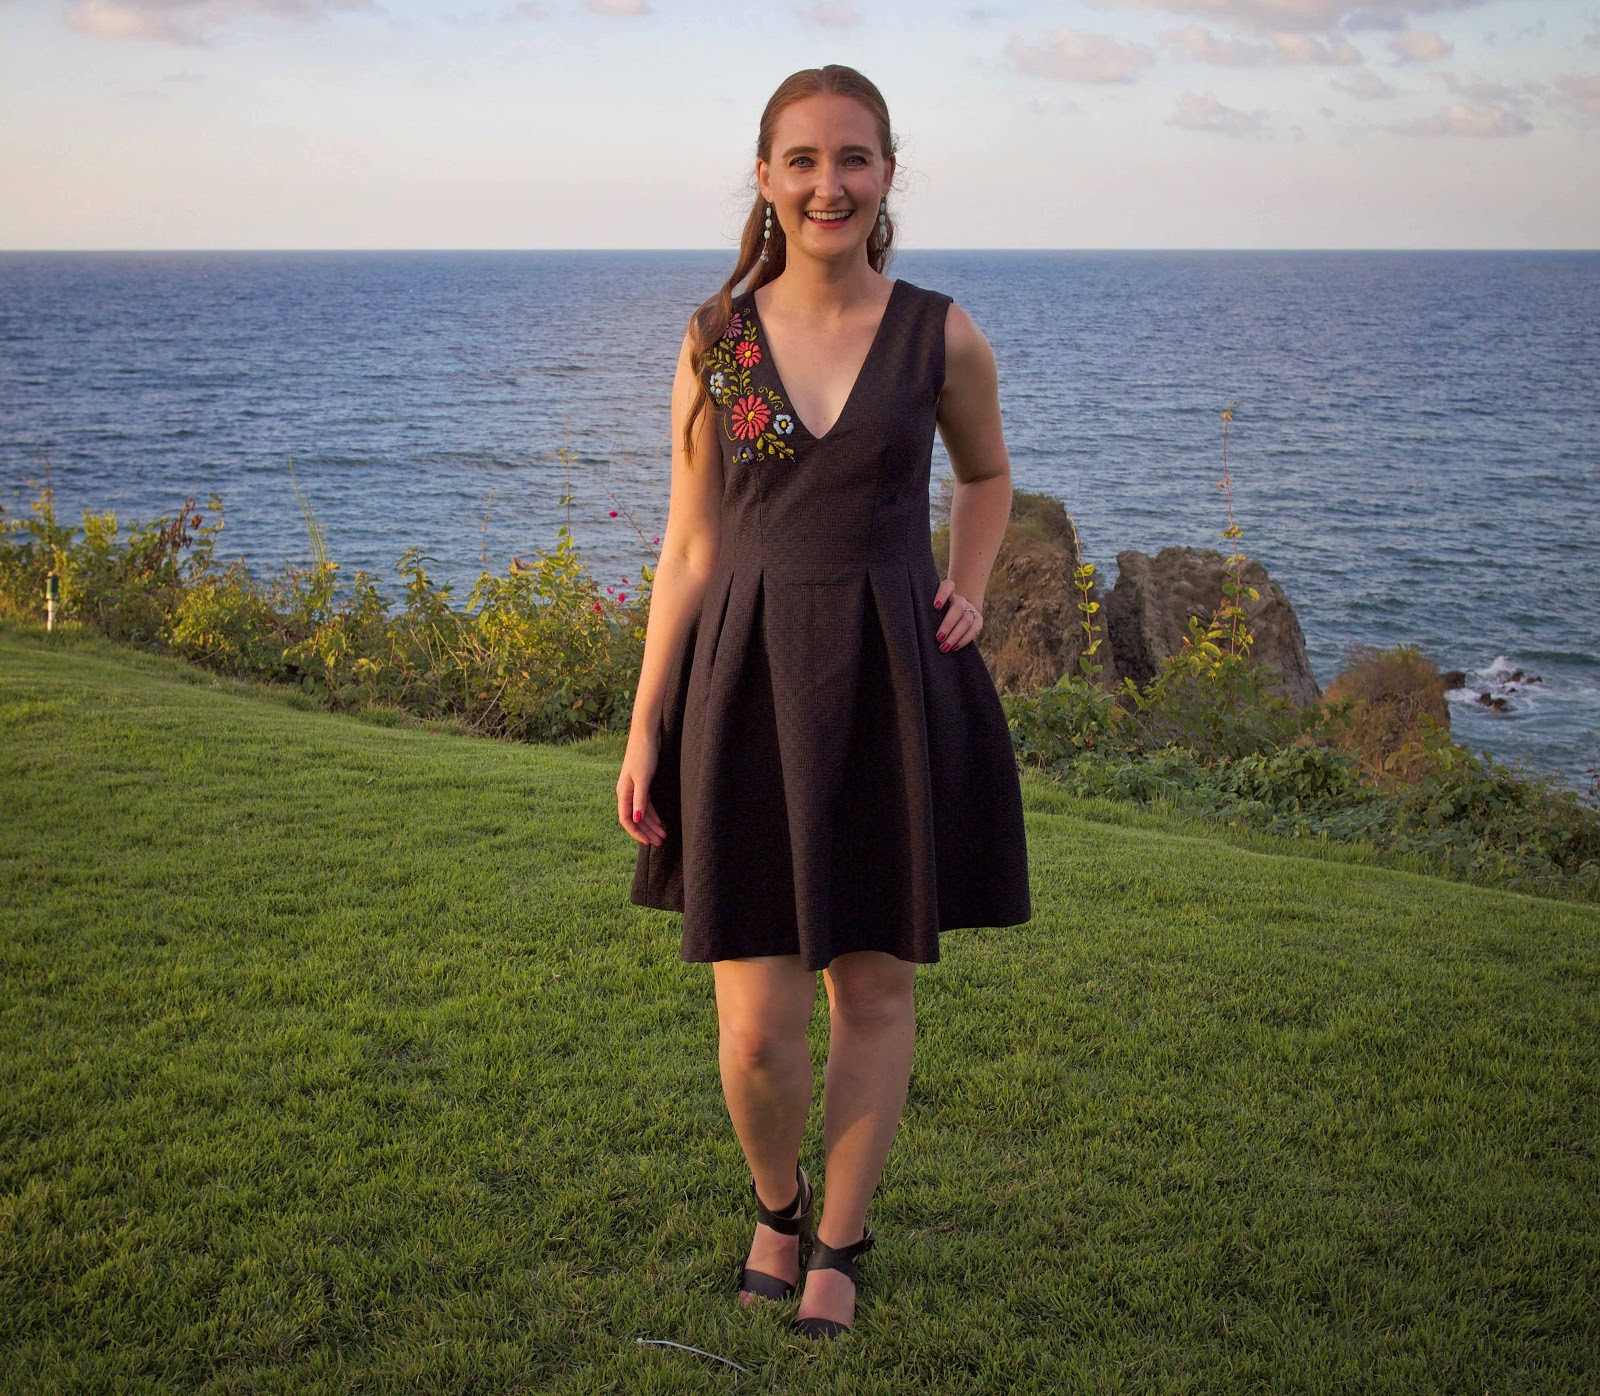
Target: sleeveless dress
829,778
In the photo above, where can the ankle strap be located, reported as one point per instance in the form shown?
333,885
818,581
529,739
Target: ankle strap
841,1258
785,1225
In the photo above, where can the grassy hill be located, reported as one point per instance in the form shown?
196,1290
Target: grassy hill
334,1057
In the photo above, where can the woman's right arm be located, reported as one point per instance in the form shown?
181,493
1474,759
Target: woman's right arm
689,552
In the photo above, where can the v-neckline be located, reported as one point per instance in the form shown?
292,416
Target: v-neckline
866,363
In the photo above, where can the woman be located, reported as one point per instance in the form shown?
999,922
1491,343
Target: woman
819,772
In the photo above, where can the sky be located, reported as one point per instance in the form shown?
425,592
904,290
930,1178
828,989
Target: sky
247,124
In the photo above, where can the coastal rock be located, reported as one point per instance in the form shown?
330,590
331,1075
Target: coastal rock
1147,615
1032,629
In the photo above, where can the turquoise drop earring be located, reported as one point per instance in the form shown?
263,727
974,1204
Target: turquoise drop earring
883,219
766,233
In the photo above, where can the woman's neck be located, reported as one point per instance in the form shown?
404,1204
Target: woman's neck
818,290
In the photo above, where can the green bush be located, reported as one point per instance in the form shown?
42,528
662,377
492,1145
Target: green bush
545,653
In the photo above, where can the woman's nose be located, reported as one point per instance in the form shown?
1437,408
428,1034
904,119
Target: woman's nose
829,184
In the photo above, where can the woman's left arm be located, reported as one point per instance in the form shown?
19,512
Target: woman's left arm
969,423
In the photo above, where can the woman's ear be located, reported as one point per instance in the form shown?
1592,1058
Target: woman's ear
761,180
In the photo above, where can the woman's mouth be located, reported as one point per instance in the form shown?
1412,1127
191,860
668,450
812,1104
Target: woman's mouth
832,219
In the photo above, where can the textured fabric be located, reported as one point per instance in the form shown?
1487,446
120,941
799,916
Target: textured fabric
830,780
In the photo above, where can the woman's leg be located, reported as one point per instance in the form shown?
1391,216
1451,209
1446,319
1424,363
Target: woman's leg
871,1040
763,1006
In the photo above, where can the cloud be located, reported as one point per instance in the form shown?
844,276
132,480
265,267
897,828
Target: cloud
1468,119
526,11
833,16
190,22
1367,86
618,9
1201,111
1580,94
1312,16
1485,91
1074,55
1197,42
1420,45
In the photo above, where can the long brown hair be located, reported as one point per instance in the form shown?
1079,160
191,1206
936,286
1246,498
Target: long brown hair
712,318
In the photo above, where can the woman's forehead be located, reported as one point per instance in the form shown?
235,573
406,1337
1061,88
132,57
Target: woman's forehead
825,121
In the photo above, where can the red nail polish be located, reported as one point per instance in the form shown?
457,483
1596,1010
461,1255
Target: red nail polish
638,815
939,636
944,647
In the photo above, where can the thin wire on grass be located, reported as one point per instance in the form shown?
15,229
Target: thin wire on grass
667,1342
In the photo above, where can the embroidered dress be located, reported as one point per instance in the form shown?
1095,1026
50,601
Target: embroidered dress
829,778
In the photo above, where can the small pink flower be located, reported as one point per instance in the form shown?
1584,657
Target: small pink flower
735,327
598,606
623,597
613,513
655,540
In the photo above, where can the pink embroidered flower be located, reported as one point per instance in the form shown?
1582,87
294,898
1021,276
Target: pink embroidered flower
750,417
735,327
747,352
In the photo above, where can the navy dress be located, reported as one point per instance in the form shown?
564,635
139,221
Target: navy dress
830,780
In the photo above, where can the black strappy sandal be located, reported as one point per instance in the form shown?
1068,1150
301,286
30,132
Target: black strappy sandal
789,1222
843,1258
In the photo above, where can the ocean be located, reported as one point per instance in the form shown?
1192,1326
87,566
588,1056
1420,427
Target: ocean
1414,455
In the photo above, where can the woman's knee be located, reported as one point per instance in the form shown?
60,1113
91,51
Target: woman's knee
756,1044
763,1007
871,989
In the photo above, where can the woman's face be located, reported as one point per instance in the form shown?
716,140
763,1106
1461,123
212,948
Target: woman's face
825,159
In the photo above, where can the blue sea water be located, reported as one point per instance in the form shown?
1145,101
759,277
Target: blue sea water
1414,456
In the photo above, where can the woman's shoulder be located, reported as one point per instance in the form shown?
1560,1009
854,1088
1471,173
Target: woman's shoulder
924,294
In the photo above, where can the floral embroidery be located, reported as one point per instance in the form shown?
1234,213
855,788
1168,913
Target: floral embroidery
753,414
749,417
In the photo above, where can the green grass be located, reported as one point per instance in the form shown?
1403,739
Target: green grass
334,1057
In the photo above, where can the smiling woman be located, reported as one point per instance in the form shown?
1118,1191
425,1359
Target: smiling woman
819,773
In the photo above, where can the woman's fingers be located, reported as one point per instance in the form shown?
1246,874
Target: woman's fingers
961,628
630,797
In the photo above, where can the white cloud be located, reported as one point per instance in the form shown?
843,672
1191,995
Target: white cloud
1312,16
1420,45
618,9
1074,55
1201,111
1580,94
1468,119
1368,86
1484,91
1197,42
191,22
832,16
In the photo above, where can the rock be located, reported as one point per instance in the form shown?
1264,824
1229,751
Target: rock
1032,628
1147,615
1454,678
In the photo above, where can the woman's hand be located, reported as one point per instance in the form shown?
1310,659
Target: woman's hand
961,621
633,792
